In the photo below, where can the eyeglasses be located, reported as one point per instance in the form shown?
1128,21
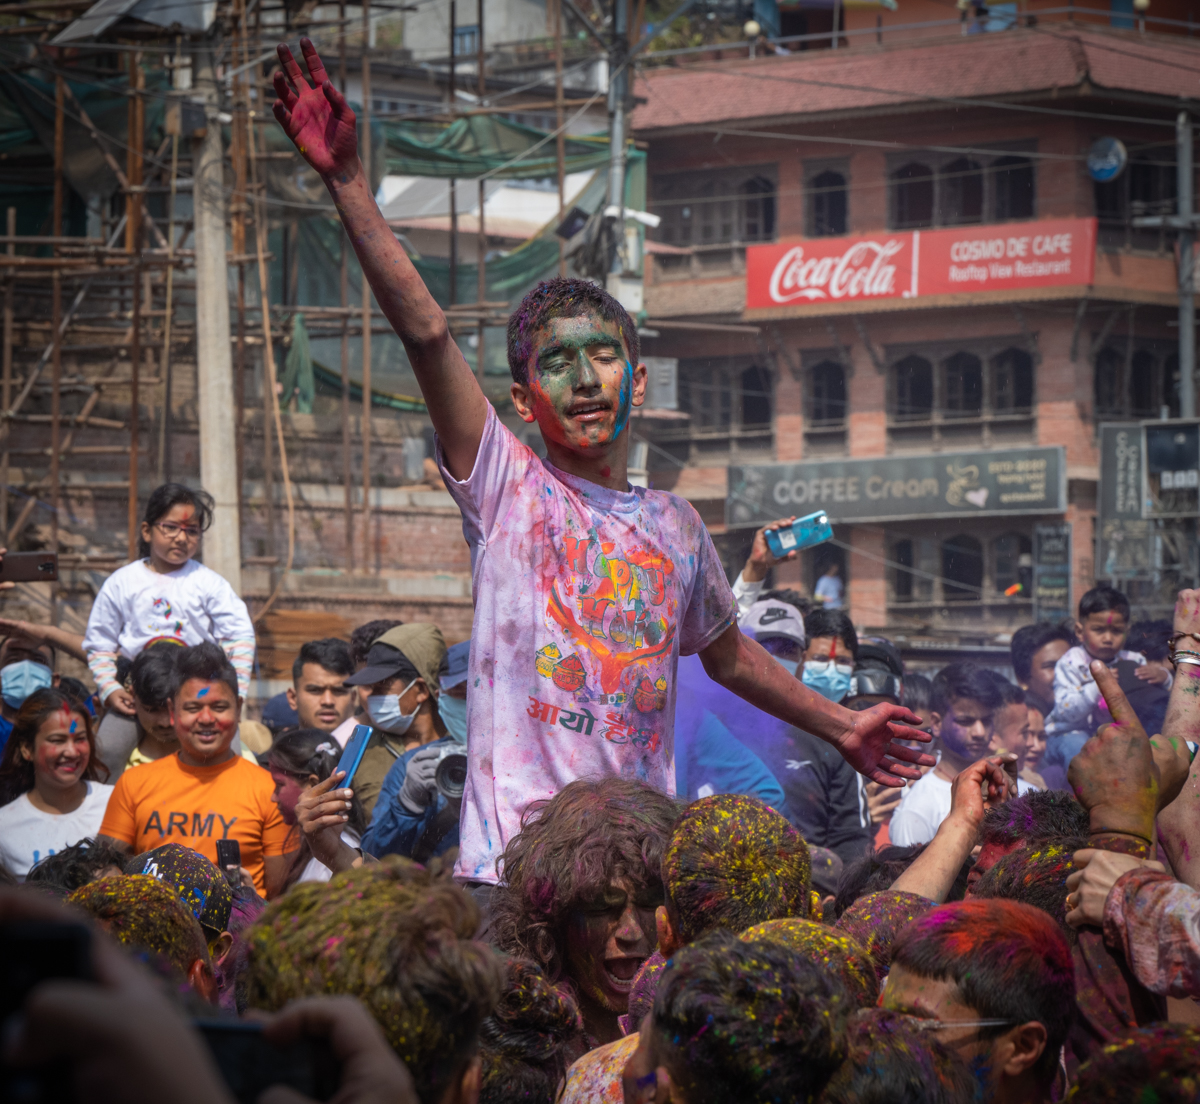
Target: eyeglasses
821,666
171,529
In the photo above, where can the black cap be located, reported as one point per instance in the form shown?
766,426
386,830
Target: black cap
383,662
877,651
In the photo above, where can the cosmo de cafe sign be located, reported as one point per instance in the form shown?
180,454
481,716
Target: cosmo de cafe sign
917,264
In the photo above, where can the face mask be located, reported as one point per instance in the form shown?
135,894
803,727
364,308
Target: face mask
789,665
454,716
384,711
19,680
830,680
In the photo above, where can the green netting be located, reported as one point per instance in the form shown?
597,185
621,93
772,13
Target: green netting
485,145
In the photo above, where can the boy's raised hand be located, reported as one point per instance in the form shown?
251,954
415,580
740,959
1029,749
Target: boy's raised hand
873,748
316,117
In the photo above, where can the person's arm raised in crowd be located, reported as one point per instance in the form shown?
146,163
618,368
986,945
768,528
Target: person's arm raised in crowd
69,642
869,741
319,121
322,813
1122,777
1178,821
933,871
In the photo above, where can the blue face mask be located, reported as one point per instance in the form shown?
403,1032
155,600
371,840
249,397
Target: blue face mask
384,711
830,680
19,680
454,716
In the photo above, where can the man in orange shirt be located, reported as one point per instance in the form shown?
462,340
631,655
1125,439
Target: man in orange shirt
204,792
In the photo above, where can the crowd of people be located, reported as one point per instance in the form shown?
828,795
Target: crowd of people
706,842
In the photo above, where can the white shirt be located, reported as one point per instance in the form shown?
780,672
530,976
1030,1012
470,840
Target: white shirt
829,588
925,804
345,730
317,871
27,834
137,605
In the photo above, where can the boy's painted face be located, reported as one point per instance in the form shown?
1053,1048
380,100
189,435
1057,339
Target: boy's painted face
175,537
607,941
1011,732
582,386
1103,634
966,729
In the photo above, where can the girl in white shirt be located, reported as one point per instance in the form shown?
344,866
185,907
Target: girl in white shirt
51,795
166,595
299,759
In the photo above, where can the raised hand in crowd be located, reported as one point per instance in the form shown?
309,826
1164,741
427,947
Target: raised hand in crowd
321,814
69,642
761,558
1090,883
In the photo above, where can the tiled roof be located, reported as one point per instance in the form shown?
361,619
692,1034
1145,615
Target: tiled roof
818,83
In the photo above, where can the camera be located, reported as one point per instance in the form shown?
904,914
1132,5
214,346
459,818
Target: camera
451,775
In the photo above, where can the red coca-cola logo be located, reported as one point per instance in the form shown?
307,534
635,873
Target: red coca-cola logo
861,271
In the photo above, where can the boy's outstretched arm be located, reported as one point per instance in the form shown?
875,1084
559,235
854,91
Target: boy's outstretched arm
320,122
868,741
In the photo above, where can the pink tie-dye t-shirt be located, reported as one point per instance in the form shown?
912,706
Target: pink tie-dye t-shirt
584,600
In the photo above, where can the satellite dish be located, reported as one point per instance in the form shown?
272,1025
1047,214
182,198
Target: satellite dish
1106,159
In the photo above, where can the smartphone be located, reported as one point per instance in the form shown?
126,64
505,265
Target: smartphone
229,859
29,567
37,951
805,532
250,1064
353,753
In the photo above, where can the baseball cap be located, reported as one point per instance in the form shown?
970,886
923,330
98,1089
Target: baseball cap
454,666
196,881
770,617
416,649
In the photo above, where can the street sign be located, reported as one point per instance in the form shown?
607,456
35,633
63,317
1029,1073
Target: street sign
1052,572
1171,480
1106,159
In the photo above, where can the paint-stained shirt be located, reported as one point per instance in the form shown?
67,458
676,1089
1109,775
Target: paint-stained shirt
1154,921
596,1077
168,801
585,598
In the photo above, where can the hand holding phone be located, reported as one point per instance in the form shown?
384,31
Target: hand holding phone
28,567
805,532
353,752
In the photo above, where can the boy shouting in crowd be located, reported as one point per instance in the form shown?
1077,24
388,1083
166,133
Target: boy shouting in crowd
587,590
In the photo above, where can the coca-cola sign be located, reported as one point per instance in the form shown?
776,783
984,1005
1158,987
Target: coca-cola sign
917,263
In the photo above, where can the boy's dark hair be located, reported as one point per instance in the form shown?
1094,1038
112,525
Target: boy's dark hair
569,850
1028,640
1037,815
1010,692
206,662
331,653
152,676
878,870
1035,875
563,298
364,636
963,680
829,622
1150,638
1156,1063
1009,961
1101,599
892,1060
79,694
529,1041
733,862
791,597
748,1022
76,865
916,692
163,499
401,941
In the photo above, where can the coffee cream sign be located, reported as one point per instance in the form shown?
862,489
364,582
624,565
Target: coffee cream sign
894,488
920,263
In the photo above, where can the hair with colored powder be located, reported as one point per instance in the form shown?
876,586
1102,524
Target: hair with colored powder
1153,1065
205,662
231,970
893,1060
570,850
1037,815
528,1042
1009,961
198,883
401,942
873,921
77,865
738,1022
641,993
878,870
143,913
563,298
834,951
1035,875
16,772
733,861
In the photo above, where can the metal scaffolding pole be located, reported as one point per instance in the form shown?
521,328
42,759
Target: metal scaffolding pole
367,558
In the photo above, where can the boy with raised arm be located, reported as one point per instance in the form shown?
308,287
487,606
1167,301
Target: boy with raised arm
587,590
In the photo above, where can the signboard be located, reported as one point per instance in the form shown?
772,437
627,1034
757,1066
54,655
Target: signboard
1052,572
914,264
1172,474
895,488
1124,539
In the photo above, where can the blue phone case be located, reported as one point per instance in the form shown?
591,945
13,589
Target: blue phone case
353,753
805,532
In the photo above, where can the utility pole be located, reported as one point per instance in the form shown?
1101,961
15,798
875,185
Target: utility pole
618,88
367,558
214,359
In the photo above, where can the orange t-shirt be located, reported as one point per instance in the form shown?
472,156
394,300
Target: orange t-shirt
168,801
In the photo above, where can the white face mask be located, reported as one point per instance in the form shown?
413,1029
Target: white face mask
384,711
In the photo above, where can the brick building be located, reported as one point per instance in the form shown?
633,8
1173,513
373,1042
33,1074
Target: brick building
1004,303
